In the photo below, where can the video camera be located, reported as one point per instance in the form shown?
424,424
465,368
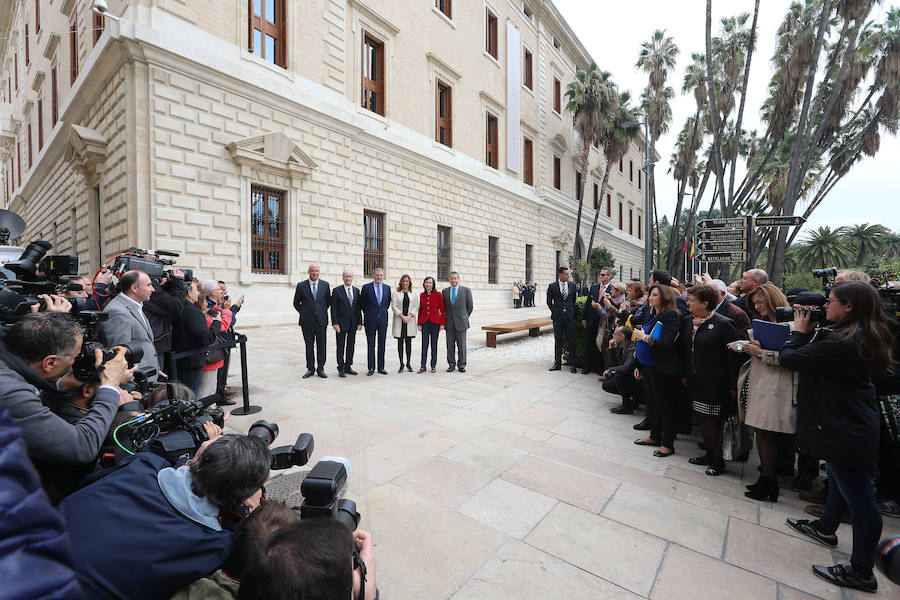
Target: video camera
817,314
33,274
150,262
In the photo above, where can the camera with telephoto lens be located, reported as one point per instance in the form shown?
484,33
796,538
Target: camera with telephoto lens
320,490
84,367
34,274
151,262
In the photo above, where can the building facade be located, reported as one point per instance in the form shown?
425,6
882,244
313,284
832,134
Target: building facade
256,137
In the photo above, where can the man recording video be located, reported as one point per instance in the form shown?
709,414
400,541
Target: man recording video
127,325
35,353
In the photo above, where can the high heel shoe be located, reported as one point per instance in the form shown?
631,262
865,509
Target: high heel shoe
408,368
767,489
753,486
401,368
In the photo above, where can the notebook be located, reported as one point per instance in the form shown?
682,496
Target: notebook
771,336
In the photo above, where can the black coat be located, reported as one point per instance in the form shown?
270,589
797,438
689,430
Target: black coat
342,313
591,314
189,332
711,368
665,351
561,310
838,416
313,311
740,318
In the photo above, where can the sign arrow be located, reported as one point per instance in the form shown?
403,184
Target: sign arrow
722,234
779,221
729,223
724,257
726,246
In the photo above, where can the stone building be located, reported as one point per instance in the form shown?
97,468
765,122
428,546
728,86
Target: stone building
257,137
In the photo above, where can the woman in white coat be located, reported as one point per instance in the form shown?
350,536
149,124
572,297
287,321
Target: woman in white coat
405,306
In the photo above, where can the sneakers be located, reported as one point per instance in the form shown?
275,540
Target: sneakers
846,576
811,529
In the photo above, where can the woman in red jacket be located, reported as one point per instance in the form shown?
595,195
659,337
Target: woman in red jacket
431,321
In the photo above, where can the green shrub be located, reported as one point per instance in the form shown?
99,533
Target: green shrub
883,269
579,334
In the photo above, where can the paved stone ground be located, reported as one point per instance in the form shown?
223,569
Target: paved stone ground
509,481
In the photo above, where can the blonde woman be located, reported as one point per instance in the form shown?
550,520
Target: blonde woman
405,306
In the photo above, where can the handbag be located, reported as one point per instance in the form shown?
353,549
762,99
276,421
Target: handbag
736,439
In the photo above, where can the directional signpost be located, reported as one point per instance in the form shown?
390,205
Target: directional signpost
730,240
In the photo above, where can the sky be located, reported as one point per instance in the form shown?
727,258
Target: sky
613,32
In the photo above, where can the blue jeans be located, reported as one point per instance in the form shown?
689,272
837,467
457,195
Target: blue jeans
850,490
430,333
191,378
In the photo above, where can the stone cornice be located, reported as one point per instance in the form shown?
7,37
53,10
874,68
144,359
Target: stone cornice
373,16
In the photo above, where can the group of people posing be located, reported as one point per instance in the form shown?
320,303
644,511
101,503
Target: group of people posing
689,352
353,309
523,293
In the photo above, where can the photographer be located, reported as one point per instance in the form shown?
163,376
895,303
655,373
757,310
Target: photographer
35,353
127,325
166,519
838,418
191,333
312,558
162,310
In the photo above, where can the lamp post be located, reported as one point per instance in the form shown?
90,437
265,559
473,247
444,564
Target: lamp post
647,169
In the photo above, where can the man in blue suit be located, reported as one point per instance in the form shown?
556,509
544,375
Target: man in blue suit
374,301
312,299
561,301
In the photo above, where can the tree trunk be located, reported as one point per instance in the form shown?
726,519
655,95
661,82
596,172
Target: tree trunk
714,110
597,211
740,115
672,256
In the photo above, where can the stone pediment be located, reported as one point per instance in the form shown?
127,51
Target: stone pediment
563,238
86,149
272,151
559,142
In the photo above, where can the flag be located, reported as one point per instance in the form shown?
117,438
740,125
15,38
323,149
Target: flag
685,244
693,251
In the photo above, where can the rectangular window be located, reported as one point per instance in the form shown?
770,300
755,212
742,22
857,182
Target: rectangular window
445,6
27,47
528,262
620,165
558,260
19,162
557,95
37,16
596,196
639,179
493,259
557,167
528,161
608,206
54,98
630,170
578,191
73,52
443,112
373,242
640,228
621,228
99,26
373,75
30,148
527,70
266,230
630,222
444,235
268,36
16,69
490,34
40,122
491,143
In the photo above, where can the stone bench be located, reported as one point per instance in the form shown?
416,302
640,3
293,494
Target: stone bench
532,325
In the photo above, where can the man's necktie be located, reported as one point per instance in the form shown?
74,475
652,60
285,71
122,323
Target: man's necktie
453,295
565,291
349,296
315,286
378,294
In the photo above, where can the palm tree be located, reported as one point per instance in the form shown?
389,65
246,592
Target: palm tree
614,141
588,98
824,248
891,243
865,239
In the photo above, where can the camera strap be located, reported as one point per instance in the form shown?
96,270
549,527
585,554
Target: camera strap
361,565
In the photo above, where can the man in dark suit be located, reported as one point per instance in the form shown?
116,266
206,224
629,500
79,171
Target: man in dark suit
457,307
374,300
728,309
561,301
312,299
594,315
619,379
346,318
751,280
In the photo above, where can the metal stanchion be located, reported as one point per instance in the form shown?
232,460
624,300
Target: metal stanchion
247,408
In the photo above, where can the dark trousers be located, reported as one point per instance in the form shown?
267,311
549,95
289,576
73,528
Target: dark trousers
346,344
378,333
850,491
191,378
665,389
223,373
622,384
430,333
593,359
314,338
564,331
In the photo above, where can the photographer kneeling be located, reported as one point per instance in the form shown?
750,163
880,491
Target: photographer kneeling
35,353
145,529
838,419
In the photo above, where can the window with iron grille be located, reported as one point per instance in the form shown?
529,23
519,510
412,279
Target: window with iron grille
444,239
443,115
268,35
491,144
267,230
490,35
445,6
528,160
528,262
373,75
373,242
493,259
527,70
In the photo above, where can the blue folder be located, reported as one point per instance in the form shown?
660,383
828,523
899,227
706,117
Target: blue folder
771,336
